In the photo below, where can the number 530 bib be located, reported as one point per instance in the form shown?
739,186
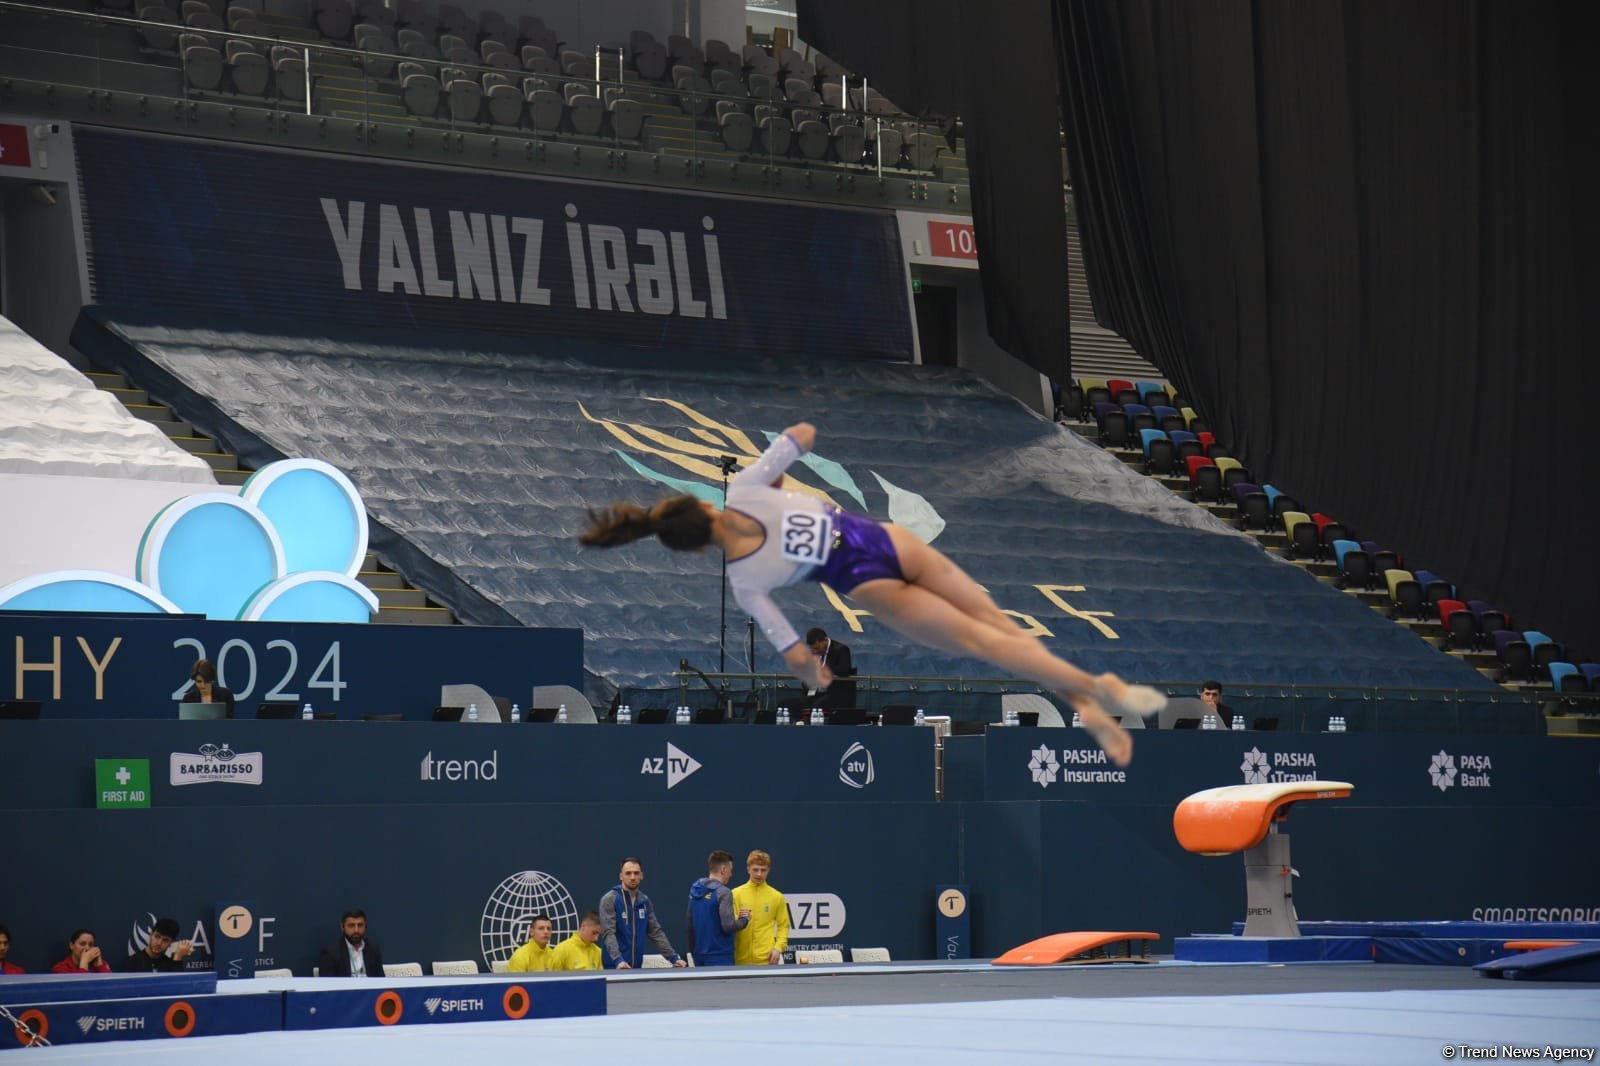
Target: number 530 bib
805,537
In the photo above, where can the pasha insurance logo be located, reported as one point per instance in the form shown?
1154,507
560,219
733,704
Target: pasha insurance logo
1463,771
677,766
214,763
1043,766
1263,767
855,766
439,1005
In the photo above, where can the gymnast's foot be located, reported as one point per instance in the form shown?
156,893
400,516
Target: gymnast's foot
1120,698
1107,732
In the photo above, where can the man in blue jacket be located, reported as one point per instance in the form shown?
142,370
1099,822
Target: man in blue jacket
711,919
627,919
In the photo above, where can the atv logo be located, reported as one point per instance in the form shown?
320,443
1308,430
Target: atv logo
855,766
677,766
439,1005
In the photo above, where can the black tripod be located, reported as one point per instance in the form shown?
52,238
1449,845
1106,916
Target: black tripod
728,464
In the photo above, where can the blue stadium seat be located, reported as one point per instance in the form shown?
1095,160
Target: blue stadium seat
1148,435
1567,679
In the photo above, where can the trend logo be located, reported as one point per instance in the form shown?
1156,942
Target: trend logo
1255,768
1442,771
1043,766
677,767
855,766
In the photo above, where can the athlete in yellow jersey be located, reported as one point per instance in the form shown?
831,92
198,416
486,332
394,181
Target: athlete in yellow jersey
534,956
762,942
581,950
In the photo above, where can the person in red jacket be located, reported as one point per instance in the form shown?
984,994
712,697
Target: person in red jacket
82,955
6,965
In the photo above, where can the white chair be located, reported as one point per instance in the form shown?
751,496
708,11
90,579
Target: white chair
500,966
579,709
402,969
274,973
869,955
467,696
651,962
455,968
820,957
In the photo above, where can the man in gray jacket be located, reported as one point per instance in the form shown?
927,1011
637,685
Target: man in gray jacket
628,919
712,922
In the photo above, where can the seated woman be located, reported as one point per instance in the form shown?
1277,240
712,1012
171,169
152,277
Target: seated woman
205,688
774,538
82,955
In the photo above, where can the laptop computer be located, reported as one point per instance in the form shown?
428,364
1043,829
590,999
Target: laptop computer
1263,721
543,714
1186,723
277,709
651,716
198,712
448,714
845,716
20,710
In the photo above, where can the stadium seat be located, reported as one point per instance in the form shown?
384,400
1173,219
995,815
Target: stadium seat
1101,409
812,139
1118,386
738,130
1302,533
1405,594
1382,558
1566,678
1232,470
869,955
850,145
503,100
1354,566
773,134
1154,394
1159,458
1194,464
545,109
402,969
1253,510
1069,405
1516,658
465,98
1208,484
1490,618
627,119
1148,435
1433,587
419,91
454,968
249,72
1591,674
585,113
1460,627
1114,430
202,64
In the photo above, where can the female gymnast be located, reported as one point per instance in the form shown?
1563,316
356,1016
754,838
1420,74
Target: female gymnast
774,538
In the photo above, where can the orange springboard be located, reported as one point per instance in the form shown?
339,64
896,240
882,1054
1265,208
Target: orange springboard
1539,945
1063,947
1232,818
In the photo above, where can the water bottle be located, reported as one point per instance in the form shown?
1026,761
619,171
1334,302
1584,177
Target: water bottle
516,713
472,712
816,716
783,716
624,715
921,719
683,716
1077,720
561,715
1333,723
1342,727
1009,717
1238,722
1208,722
305,713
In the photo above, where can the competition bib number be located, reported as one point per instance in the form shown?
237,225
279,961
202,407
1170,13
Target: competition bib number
805,537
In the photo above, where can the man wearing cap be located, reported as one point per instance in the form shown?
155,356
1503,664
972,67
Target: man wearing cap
153,958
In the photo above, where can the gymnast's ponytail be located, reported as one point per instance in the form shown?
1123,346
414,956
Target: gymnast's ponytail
680,522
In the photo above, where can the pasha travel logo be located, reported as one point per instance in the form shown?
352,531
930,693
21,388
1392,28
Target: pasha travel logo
438,1005
677,767
216,763
1444,772
855,766
1263,767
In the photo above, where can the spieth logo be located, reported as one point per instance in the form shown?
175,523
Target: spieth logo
1473,773
677,766
1043,766
855,767
213,763
437,1005
89,1023
1260,767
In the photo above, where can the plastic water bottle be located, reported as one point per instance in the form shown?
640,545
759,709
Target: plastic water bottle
783,716
816,716
624,715
1333,723
682,716
1208,722
561,715
1238,722
516,713
921,719
1077,720
1009,717
472,712
305,713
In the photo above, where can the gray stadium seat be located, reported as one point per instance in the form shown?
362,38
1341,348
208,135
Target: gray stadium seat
374,12
202,20
774,134
202,64
194,7
759,60
531,52
466,99
407,35
419,90
731,107
379,66
811,137
849,142
543,66
490,46
683,52
544,110
455,20
651,62
833,94
449,42
154,37
888,145
694,94
334,18
503,61
738,130
289,75
727,83
763,87
504,101
250,73
627,119
419,50
586,114
922,150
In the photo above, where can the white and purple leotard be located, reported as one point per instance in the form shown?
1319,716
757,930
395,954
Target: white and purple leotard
806,539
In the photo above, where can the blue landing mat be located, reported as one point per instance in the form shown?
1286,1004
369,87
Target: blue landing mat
76,988
1272,949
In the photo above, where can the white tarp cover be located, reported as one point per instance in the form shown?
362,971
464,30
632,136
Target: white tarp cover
54,421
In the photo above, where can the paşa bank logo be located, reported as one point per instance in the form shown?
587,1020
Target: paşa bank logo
216,763
1444,772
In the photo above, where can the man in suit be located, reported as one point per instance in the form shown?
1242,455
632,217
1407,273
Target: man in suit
836,657
354,955
1211,696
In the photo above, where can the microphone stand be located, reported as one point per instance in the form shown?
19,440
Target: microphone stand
728,464
721,694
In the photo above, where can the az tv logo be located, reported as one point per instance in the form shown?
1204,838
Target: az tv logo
677,766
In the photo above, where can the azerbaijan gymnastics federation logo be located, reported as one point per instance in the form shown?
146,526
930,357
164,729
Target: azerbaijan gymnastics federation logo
286,548
1255,768
1043,766
1443,770
510,908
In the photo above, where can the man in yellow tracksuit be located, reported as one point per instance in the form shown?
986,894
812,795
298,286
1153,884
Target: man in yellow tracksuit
534,956
581,950
762,942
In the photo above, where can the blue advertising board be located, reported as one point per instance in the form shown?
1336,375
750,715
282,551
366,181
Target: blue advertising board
269,233
137,666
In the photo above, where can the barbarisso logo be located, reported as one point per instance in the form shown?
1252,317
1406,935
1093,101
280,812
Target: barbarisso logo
855,766
437,1005
1075,766
1472,771
214,763
1262,767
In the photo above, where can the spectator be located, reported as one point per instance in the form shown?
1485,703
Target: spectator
82,955
534,956
629,918
1211,696
581,950
205,688
354,955
6,965
711,920
836,657
763,940
154,957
